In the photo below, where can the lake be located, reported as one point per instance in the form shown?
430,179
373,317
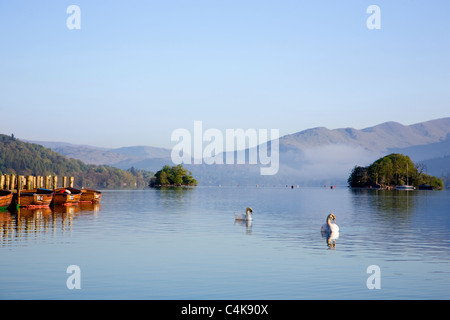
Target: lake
184,243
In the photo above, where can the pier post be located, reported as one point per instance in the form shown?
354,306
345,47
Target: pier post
64,184
71,182
7,179
20,182
19,187
48,182
55,182
29,182
2,182
12,182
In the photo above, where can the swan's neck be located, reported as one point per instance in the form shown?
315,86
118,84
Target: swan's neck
329,222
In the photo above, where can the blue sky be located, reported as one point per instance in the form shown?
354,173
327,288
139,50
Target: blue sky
138,70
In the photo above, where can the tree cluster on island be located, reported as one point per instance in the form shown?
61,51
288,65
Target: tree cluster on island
173,176
392,170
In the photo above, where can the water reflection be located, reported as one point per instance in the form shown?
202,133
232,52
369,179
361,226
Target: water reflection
402,224
170,196
331,238
25,223
179,191
388,201
248,224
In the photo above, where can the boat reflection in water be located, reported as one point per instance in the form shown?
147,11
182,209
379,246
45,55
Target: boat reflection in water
37,223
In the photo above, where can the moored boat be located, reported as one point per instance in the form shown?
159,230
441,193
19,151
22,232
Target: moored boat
67,196
6,197
33,198
405,187
90,196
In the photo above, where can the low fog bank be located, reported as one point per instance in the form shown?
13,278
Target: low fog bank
320,166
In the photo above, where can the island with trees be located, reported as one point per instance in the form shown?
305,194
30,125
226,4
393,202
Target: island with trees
391,171
176,176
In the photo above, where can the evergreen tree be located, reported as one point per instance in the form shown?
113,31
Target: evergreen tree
177,176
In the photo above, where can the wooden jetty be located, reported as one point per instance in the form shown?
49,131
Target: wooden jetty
41,191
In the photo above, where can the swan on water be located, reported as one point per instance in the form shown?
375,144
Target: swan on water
246,216
330,227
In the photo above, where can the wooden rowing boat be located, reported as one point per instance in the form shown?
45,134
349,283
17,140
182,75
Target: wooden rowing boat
6,197
90,196
34,198
66,196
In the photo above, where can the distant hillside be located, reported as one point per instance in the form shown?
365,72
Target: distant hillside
143,152
24,158
317,156
438,166
427,151
324,154
379,138
119,157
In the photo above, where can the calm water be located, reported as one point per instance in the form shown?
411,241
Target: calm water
185,244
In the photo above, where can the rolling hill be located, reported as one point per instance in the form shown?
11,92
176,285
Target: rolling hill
314,156
379,138
23,158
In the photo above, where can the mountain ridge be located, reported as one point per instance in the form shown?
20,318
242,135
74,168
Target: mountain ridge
375,138
313,154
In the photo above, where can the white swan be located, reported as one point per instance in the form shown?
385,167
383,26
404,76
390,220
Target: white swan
330,227
244,217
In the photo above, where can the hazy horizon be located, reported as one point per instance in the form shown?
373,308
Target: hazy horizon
170,146
135,72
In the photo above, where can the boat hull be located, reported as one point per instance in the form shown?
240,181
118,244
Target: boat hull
405,187
62,197
6,197
90,196
34,198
